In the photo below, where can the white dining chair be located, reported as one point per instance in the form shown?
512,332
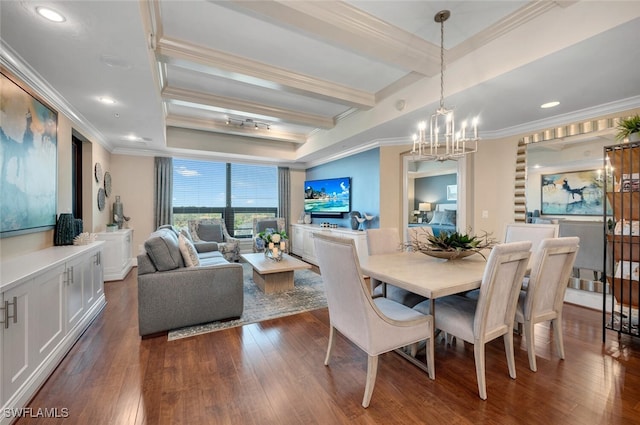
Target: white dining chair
376,325
492,314
544,297
534,232
386,240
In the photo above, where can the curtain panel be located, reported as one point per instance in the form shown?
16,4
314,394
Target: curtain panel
284,194
163,210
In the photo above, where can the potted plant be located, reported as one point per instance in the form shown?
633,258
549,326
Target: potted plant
629,128
451,245
273,243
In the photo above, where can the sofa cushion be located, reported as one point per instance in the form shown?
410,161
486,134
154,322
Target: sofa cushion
210,232
188,251
213,258
162,248
203,246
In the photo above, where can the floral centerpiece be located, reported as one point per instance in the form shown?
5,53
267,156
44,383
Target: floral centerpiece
272,242
450,245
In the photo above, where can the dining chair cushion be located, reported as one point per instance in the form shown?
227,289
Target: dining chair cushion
462,316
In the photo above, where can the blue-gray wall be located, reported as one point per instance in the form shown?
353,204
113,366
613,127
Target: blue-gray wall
364,170
433,189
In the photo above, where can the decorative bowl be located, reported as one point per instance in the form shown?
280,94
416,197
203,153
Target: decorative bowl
448,255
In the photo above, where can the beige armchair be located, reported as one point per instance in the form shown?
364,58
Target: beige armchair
214,230
375,325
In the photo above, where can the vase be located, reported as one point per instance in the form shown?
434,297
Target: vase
274,254
65,230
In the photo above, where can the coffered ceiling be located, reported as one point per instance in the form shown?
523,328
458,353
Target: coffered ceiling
300,82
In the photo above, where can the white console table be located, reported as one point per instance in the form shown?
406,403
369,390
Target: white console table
117,253
302,240
48,299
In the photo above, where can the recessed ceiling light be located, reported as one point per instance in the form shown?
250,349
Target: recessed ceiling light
50,14
106,100
549,104
133,138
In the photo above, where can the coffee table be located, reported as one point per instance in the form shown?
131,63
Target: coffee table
274,276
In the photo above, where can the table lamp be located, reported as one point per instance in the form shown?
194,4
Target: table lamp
424,207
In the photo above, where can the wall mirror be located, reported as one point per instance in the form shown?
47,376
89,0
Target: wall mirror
551,165
427,188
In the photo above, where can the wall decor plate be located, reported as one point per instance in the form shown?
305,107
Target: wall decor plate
101,199
107,183
98,172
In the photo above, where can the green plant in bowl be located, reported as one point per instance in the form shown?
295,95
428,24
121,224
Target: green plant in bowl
451,245
628,126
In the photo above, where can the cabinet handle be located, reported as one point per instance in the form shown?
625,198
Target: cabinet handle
7,316
71,276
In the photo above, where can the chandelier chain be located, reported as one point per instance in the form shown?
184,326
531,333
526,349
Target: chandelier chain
442,63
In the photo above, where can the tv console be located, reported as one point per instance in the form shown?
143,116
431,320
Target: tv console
302,240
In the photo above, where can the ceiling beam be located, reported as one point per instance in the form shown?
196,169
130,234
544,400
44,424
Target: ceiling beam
243,107
212,126
218,63
351,29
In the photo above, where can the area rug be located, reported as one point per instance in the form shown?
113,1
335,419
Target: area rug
308,294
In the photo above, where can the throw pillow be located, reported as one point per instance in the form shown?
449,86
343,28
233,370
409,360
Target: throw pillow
438,217
266,224
449,217
186,233
210,232
188,251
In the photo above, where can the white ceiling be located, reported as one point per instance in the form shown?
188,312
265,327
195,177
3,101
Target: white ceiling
327,77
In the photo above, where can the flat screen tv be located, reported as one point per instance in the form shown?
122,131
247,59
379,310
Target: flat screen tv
327,197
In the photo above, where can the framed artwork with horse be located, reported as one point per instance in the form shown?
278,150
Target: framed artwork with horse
28,171
573,193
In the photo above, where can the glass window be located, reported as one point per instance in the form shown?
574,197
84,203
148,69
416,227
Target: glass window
200,191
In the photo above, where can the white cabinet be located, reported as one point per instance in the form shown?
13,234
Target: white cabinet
303,244
49,297
117,258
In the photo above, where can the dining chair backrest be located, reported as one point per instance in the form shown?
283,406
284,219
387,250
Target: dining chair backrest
516,232
499,290
383,241
351,308
549,277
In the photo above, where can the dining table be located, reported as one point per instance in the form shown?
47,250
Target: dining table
425,275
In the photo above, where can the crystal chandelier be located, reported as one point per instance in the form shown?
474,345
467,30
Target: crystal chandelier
443,142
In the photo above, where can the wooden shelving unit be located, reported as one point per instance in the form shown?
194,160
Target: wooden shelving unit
622,242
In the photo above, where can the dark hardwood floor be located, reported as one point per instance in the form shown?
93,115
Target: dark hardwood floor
273,373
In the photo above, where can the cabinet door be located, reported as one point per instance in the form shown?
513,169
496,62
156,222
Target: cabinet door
49,314
297,237
309,247
98,274
18,361
125,254
73,291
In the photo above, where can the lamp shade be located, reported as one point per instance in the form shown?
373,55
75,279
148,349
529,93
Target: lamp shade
424,206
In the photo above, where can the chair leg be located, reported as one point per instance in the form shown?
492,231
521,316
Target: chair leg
413,349
531,348
372,371
508,348
429,352
478,352
332,342
557,331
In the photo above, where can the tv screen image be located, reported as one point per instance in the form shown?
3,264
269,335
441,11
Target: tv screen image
327,196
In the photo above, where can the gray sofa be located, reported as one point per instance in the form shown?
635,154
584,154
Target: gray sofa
172,296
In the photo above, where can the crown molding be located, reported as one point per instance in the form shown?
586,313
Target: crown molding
29,76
